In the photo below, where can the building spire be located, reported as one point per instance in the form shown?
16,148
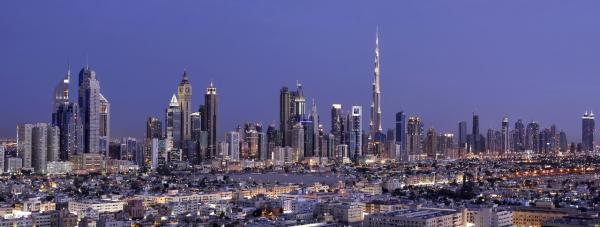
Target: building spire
375,121
68,76
184,77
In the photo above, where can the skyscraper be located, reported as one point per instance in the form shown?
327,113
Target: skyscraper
491,141
519,136
284,115
446,145
173,125
431,144
24,144
375,123
251,142
233,145
505,136
209,120
413,133
39,147
314,117
53,144
297,139
299,103
61,91
104,125
563,141
196,125
262,143
154,128
401,131
158,156
532,139
336,123
356,126
89,106
476,146
272,140
587,131
36,145
462,136
184,95
67,117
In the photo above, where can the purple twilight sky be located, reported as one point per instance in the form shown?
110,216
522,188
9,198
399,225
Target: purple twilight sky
441,60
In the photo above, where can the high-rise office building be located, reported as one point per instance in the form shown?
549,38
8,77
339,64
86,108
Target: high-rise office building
104,125
158,153
401,131
37,144
505,148
24,144
129,150
251,142
273,140
89,106
154,128
414,129
587,131
462,136
554,140
446,146
263,151
284,115
309,138
491,144
299,103
292,109
209,120
431,144
233,145
336,123
196,125
67,119
532,139
297,139
314,118
184,96
53,143
563,141
375,123
173,125
356,126
66,116
476,145
519,136
39,147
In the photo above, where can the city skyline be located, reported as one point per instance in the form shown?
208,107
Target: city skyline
398,82
299,113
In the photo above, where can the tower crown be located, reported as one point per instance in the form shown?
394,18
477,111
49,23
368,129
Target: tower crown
174,102
211,89
185,79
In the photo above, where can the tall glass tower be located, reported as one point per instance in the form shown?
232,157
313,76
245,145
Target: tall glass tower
587,131
89,106
209,121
